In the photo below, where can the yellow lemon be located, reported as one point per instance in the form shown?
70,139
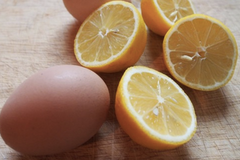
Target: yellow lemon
112,38
200,52
153,110
160,15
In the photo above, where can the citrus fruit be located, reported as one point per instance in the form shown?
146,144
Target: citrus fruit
153,110
112,38
200,52
160,15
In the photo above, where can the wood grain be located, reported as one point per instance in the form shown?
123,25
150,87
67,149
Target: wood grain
36,34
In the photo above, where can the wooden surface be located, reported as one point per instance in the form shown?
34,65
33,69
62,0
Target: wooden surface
36,34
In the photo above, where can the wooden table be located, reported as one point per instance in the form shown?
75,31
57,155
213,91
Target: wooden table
36,34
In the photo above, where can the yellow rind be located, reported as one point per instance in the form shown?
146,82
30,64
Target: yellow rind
130,54
128,122
170,67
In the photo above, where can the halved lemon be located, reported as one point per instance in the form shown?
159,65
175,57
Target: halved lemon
160,15
200,52
153,110
112,38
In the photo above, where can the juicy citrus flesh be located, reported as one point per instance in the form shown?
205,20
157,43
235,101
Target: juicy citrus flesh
160,15
200,52
174,10
153,110
111,38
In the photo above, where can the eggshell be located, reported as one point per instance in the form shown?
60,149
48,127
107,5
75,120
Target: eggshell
55,110
81,9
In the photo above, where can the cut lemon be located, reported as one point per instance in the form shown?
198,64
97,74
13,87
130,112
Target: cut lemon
112,38
153,110
160,15
200,52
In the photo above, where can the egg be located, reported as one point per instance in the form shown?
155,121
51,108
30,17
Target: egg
55,110
81,9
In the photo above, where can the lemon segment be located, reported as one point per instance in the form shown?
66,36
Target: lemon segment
200,52
153,110
160,15
112,38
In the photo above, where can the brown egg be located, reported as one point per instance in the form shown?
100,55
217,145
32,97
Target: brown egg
81,9
55,110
